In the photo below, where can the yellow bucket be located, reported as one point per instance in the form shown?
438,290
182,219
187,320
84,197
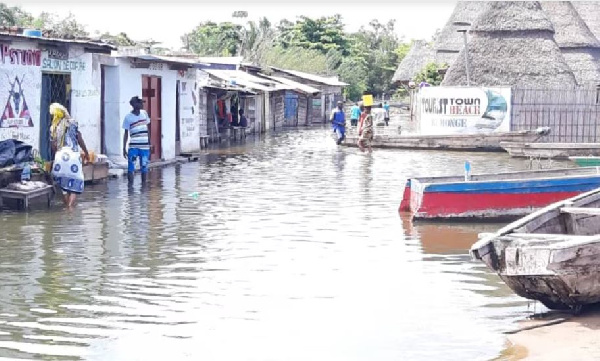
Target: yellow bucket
367,100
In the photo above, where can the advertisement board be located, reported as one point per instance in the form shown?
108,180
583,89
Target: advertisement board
463,110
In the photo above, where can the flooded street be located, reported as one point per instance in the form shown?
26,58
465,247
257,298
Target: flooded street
293,249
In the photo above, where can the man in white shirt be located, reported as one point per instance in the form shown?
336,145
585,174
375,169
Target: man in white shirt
137,123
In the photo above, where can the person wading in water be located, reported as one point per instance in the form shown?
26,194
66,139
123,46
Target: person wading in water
365,130
338,120
65,140
138,124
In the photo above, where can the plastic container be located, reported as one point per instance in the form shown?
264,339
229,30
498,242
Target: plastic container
26,173
33,33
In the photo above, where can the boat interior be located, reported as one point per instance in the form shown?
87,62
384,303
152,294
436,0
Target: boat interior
579,216
528,174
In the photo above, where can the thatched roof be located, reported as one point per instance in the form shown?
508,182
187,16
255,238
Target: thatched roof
579,46
419,55
512,43
570,31
590,13
450,42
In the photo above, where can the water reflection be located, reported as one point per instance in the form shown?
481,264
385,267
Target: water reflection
293,250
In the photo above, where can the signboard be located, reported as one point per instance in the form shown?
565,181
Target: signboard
16,56
464,110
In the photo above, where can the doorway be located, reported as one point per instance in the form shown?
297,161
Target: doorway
151,94
291,109
56,88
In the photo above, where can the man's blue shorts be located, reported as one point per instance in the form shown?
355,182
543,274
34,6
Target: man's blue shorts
143,154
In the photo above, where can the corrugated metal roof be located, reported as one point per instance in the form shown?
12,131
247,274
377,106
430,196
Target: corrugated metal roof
165,59
312,77
247,80
297,86
232,60
87,43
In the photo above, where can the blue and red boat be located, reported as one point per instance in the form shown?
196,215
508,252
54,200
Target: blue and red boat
498,196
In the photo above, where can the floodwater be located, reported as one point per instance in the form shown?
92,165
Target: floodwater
292,249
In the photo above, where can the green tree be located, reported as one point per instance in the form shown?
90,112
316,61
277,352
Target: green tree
256,40
323,34
296,58
62,28
212,39
354,71
14,16
120,39
430,74
377,46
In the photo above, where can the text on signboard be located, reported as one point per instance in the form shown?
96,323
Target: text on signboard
10,55
452,106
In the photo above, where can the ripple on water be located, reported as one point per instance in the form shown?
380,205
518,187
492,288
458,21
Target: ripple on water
292,250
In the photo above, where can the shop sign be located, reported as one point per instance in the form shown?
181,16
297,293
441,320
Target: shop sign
14,56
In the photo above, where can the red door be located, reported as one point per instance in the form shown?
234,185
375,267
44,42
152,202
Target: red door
151,93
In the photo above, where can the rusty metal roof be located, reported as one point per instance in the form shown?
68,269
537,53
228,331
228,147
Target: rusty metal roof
91,46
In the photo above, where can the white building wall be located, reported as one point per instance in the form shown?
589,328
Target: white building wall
189,111
24,79
129,85
85,92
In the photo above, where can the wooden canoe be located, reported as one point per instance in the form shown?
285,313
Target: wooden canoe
552,255
586,161
550,150
389,137
494,196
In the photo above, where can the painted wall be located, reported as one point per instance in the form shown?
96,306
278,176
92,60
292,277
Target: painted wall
20,92
189,111
129,85
85,91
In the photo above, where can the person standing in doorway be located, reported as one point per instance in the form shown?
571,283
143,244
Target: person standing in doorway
137,123
243,119
355,114
338,120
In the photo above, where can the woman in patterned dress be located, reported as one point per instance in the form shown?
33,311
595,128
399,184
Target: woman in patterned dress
65,139
365,130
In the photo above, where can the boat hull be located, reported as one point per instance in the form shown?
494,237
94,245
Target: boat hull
586,161
551,150
496,200
559,278
385,137
552,255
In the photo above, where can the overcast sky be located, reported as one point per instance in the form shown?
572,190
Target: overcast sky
166,22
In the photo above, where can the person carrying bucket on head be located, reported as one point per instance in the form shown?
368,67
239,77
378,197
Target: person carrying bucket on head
338,120
365,127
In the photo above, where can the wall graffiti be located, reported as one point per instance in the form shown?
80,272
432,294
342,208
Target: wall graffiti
16,112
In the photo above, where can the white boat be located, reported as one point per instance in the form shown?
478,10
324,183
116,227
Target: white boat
550,150
552,255
391,137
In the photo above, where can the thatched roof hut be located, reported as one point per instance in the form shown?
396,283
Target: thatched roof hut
512,43
419,55
578,45
590,13
449,42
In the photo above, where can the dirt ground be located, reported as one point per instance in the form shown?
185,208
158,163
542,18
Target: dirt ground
569,338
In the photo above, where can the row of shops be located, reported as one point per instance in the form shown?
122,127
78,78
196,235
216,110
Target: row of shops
188,99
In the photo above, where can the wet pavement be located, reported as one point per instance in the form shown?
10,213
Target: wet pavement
292,249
